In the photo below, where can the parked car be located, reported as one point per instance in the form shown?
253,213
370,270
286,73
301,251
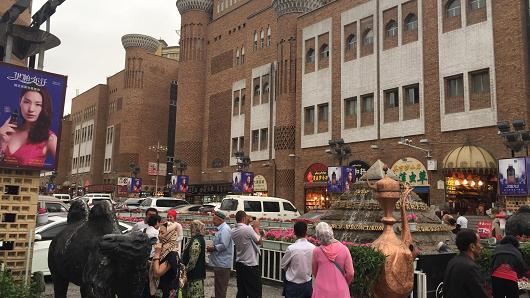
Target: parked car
98,195
187,208
44,236
258,207
210,207
90,201
132,204
53,205
63,197
162,204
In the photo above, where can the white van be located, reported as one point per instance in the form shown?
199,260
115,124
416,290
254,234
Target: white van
267,207
63,197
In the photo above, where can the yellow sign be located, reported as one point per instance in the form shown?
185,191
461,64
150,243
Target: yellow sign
260,183
412,171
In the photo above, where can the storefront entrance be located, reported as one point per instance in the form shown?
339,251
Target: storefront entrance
470,180
315,187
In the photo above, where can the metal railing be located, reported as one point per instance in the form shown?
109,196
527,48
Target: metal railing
270,261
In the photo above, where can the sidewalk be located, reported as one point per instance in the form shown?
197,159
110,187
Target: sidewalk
269,290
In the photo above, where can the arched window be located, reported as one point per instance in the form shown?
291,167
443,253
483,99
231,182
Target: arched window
255,40
237,57
310,56
242,55
453,8
262,40
411,22
324,51
351,42
392,29
368,38
269,36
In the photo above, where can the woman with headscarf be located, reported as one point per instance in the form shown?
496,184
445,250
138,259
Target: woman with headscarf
164,270
194,258
507,266
332,265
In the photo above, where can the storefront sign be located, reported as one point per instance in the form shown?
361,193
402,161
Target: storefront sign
122,190
210,189
360,168
412,171
335,179
152,167
124,181
512,177
316,176
243,182
260,183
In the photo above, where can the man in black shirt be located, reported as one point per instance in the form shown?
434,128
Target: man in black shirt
462,277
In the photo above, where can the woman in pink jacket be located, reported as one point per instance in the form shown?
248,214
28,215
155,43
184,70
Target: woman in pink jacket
332,265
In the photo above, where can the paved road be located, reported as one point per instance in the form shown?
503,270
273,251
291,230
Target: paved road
269,291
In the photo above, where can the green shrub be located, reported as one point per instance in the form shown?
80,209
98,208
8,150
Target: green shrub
9,288
368,264
525,249
484,261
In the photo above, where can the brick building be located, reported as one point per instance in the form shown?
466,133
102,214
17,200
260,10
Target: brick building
112,125
279,79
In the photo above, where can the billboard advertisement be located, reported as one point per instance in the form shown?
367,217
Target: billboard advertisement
152,169
31,110
360,168
335,179
243,182
512,177
247,182
349,177
179,183
136,185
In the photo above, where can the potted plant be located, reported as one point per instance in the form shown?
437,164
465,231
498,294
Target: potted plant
412,218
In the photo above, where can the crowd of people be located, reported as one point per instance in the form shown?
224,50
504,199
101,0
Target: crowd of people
323,271
309,271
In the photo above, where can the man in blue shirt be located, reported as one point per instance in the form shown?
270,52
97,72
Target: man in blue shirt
221,254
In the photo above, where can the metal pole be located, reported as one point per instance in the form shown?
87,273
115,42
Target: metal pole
8,49
41,52
157,165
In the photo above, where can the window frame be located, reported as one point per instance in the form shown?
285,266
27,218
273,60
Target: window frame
312,118
372,107
391,29
485,84
459,90
267,204
453,9
247,206
350,101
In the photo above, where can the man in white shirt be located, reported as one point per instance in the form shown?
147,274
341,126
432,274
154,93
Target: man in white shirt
247,240
297,263
142,225
462,221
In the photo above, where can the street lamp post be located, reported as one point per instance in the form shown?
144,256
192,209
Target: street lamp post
408,143
157,148
517,139
339,149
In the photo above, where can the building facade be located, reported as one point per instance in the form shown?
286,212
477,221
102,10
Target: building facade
277,80
112,125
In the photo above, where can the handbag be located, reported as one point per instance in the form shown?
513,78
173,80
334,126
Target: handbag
336,264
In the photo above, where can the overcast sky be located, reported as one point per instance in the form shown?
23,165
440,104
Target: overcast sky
90,32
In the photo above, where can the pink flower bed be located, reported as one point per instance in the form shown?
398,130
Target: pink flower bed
287,235
130,218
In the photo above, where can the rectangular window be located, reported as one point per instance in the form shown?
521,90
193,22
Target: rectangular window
477,4
412,94
350,107
241,143
323,113
271,206
82,162
480,82
368,103
234,145
242,108
264,139
392,98
252,206
236,106
255,140
309,113
455,86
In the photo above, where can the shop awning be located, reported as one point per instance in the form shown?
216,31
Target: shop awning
469,158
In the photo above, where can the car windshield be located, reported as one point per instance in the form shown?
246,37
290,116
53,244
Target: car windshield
168,203
229,205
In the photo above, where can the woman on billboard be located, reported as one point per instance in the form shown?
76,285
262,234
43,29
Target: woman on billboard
28,140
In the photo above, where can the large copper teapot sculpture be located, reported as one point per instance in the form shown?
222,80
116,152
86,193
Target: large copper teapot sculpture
397,278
